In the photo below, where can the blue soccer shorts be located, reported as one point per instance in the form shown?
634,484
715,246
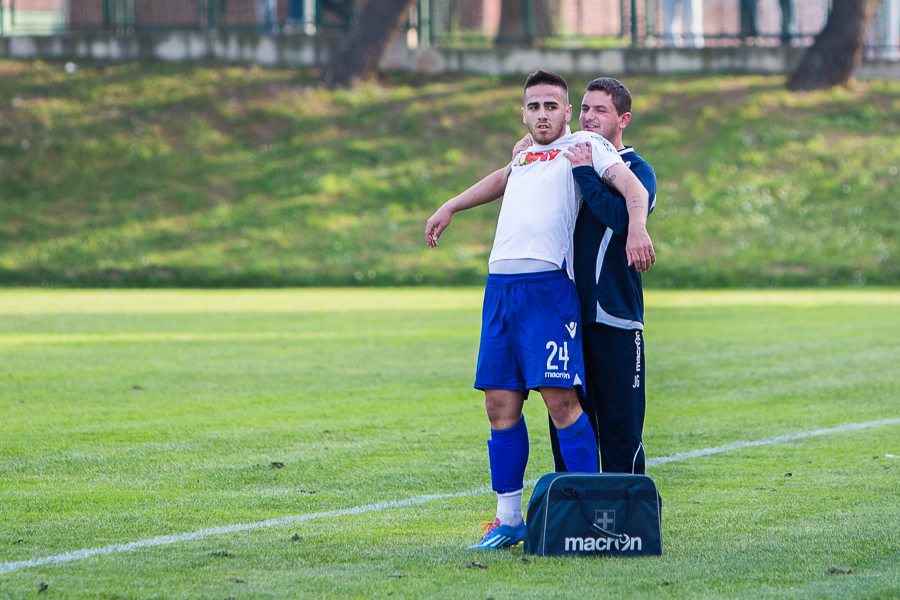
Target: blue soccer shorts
530,333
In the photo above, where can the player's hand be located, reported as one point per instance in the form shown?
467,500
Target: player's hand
522,144
436,224
639,249
580,155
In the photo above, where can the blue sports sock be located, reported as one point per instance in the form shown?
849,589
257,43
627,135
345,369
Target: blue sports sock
578,446
508,454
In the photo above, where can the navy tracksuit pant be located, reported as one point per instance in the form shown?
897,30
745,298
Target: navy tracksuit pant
614,397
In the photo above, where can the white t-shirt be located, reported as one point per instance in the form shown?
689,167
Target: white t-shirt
541,201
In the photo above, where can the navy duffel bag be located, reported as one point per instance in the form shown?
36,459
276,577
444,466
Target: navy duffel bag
594,514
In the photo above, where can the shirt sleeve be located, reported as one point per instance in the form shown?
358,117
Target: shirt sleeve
604,154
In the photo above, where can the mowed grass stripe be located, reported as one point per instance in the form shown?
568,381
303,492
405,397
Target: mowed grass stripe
27,301
175,336
11,567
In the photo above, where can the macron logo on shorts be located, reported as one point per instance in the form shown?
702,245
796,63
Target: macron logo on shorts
571,327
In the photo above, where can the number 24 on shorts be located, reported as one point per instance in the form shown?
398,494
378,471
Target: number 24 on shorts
557,353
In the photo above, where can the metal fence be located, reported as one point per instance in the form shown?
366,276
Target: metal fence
37,17
468,23
32,16
644,23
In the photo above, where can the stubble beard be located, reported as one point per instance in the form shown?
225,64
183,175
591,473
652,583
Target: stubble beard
544,137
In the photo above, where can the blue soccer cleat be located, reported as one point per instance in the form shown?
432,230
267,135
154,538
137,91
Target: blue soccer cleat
499,536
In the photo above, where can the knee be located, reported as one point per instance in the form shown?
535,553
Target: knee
501,413
563,407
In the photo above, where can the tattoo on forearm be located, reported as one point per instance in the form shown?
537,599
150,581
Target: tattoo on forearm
608,178
635,202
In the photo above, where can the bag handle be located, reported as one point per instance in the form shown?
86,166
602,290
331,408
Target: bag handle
582,502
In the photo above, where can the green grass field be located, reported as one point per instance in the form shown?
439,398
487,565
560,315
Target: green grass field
129,415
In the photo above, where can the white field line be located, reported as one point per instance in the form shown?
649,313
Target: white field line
165,540
781,439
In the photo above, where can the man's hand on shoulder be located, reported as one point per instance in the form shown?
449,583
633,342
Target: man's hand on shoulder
522,145
580,155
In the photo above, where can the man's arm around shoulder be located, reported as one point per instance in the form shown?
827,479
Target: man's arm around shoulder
604,202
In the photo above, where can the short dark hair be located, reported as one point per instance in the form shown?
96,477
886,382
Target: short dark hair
621,97
545,77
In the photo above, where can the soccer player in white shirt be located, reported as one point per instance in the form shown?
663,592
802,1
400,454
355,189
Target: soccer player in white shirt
531,334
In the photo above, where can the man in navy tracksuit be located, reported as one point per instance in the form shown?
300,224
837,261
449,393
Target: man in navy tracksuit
609,290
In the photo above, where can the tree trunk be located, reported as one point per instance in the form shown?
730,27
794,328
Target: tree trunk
512,23
547,14
467,15
523,20
357,55
837,51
